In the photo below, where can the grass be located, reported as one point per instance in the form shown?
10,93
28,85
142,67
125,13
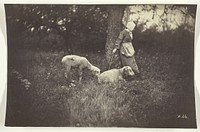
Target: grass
52,100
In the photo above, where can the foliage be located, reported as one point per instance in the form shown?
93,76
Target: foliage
88,23
82,27
161,17
58,17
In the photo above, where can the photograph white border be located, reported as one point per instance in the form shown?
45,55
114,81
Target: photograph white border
3,64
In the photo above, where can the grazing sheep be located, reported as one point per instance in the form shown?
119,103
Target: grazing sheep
115,75
79,62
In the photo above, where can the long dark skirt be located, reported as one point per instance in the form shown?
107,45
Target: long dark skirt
129,61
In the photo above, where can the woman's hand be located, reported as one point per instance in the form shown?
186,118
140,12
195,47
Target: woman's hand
114,50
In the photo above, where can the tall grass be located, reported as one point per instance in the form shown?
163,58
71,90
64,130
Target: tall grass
150,102
97,105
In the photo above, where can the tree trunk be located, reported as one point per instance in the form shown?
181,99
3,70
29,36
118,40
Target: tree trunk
114,27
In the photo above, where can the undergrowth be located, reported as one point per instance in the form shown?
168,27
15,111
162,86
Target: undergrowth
59,101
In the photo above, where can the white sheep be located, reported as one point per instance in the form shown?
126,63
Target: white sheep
115,75
79,62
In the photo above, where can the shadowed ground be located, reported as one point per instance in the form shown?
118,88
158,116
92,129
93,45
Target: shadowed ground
164,98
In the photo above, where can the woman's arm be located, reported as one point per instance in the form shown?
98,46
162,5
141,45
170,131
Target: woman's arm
118,41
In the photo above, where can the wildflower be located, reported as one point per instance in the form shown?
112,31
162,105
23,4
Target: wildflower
24,80
73,85
27,86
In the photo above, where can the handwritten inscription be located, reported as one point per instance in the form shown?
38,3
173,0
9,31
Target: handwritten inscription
182,116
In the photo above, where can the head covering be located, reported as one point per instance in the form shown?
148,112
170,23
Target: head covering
130,25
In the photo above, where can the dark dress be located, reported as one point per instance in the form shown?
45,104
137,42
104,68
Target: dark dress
124,44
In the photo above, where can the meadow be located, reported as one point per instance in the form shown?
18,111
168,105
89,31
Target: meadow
40,95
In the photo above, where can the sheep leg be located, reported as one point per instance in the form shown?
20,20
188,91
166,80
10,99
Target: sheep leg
68,68
80,71
99,81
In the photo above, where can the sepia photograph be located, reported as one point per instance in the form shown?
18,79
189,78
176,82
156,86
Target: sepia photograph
103,65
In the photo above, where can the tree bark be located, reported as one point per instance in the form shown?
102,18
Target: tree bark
114,27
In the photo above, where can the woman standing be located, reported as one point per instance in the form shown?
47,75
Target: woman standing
125,47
